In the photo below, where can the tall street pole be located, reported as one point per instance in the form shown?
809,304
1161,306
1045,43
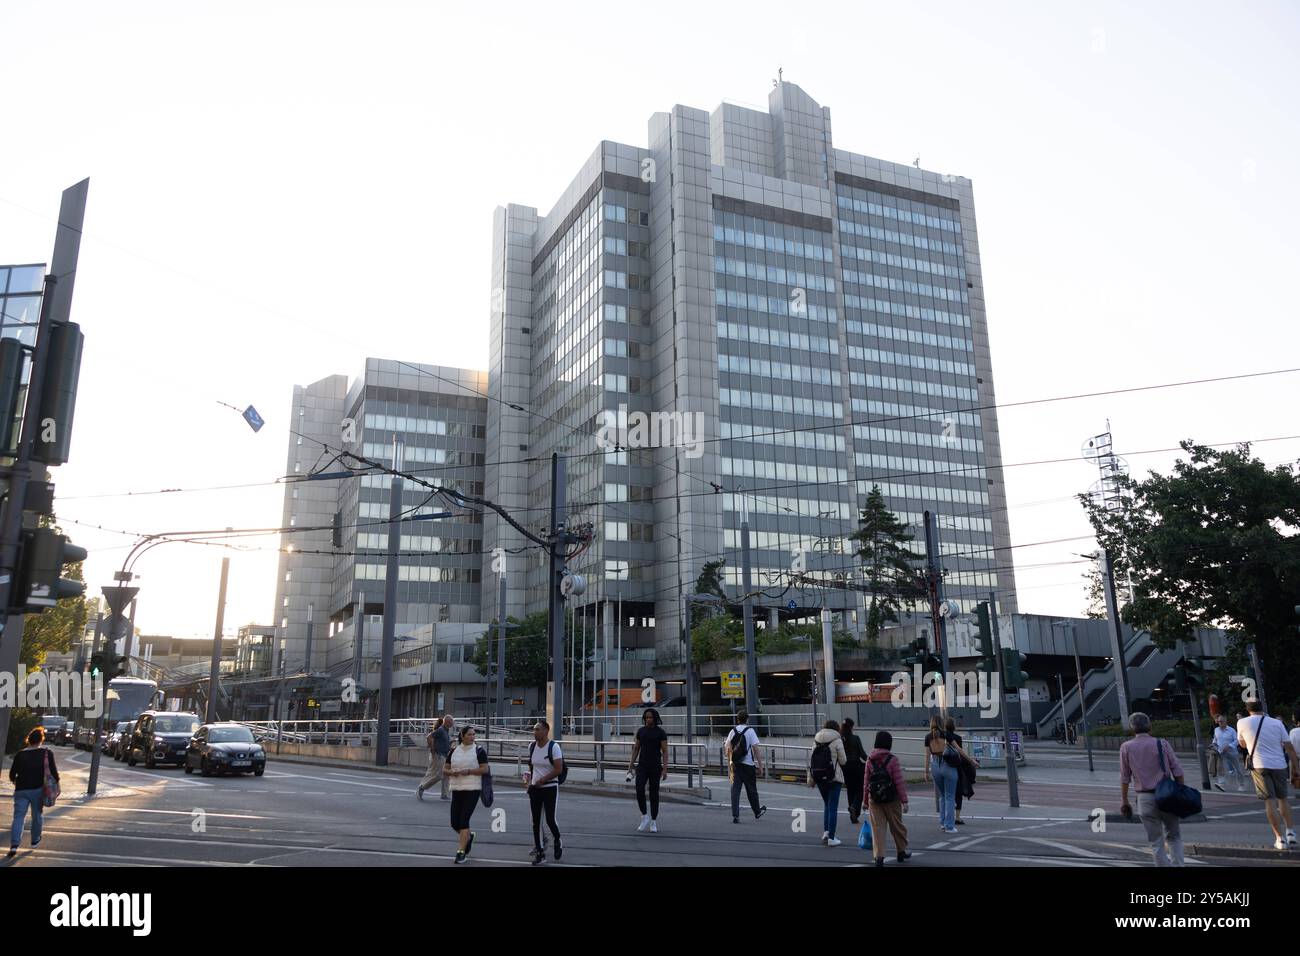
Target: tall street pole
1013,784
747,609
1083,702
501,647
103,703
558,538
390,608
1120,668
214,668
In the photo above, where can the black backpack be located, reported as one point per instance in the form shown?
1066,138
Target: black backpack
550,750
880,782
739,743
822,764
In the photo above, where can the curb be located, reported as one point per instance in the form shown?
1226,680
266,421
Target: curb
1242,852
696,795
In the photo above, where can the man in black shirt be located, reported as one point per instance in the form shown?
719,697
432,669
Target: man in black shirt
27,773
650,758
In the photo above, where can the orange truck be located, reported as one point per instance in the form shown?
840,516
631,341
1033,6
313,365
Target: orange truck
628,697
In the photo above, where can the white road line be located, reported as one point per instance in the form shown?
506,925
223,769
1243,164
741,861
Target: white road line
185,813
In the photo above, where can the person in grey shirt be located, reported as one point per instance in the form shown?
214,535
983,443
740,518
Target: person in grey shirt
439,742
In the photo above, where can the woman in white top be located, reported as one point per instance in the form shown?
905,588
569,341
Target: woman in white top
466,765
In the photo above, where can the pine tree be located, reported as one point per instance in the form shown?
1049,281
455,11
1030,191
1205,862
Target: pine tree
888,564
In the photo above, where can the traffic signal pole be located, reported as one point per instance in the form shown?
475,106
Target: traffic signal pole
1013,784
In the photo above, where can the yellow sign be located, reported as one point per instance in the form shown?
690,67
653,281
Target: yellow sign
733,685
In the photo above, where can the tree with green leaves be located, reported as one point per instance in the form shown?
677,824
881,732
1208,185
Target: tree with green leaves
528,657
710,582
1214,543
888,564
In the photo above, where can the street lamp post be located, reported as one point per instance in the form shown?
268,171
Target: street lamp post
688,601
812,676
1083,703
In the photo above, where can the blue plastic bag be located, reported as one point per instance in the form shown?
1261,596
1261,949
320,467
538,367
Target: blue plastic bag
864,835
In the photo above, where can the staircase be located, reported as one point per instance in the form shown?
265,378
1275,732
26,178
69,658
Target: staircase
1146,665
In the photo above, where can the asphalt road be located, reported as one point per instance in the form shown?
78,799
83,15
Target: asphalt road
305,815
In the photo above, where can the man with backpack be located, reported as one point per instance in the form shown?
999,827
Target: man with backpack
746,763
546,771
1269,756
825,772
885,790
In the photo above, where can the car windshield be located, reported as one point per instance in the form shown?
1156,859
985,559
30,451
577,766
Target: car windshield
53,721
124,726
176,725
230,735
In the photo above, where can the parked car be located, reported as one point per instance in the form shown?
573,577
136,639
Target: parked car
161,736
84,738
225,748
57,728
113,742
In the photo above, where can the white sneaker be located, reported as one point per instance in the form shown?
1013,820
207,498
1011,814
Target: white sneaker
951,830
645,824
1290,838
832,842
654,826
1279,844
825,836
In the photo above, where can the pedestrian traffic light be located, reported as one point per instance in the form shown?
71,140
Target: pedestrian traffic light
1013,664
38,581
984,632
1176,679
1186,674
96,664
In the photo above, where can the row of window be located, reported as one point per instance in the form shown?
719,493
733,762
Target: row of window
795,307
623,214
422,542
379,510
897,410
919,466
790,404
784,471
615,279
882,258
901,238
625,314
885,307
788,541
757,240
948,438
911,385
765,273
615,492
778,337
629,531
782,371
905,285
909,335
431,456
912,361
627,247
771,435
877,207
781,505
622,348
921,493
384,482
406,572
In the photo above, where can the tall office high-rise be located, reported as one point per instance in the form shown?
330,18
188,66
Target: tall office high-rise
818,313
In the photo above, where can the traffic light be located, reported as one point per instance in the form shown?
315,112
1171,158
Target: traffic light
58,399
38,581
984,632
1186,674
1013,664
916,652
96,664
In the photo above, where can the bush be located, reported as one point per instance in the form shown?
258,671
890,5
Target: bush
1159,728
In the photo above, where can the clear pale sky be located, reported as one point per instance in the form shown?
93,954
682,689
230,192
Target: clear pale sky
281,189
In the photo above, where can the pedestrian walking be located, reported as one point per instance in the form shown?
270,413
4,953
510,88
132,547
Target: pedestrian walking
650,761
1295,732
1144,761
826,773
33,772
1229,759
746,762
965,772
885,790
854,769
943,757
466,767
543,778
438,741
1270,755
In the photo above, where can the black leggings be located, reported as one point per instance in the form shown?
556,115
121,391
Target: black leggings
651,776
463,803
539,799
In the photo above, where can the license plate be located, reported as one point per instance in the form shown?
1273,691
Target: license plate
241,763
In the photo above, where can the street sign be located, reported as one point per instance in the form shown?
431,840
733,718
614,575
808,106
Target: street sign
331,706
733,685
254,420
1237,679
119,597
792,605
